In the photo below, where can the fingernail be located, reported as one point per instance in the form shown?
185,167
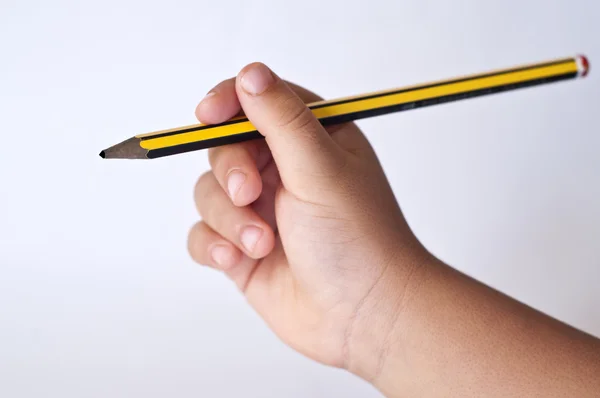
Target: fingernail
250,237
221,255
234,183
256,79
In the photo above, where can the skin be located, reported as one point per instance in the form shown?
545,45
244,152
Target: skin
306,224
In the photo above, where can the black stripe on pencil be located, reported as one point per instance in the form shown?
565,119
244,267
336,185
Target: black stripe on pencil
198,137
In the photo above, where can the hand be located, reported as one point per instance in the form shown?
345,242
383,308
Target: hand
304,222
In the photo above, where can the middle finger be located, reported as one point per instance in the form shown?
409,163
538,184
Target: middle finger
242,226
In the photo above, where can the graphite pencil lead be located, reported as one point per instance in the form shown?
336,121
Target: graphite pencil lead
128,149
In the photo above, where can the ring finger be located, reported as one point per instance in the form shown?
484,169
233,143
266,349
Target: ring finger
242,226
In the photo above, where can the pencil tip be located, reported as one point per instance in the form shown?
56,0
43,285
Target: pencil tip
128,149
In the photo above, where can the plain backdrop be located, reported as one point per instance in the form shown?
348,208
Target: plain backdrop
98,296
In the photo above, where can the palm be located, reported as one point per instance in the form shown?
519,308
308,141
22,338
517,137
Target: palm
282,285
311,276
265,207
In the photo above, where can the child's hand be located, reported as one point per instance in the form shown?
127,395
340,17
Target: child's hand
305,223
307,226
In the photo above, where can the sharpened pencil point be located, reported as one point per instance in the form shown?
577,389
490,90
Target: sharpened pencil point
128,149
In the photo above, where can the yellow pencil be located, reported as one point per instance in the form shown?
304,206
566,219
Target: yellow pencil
200,136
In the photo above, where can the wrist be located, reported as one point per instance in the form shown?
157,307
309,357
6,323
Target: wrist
376,332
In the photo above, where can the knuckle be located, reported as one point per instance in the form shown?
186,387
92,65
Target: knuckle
197,242
228,84
341,169
203,182
293,115
210,214
213,156
195,235
219,160
205,191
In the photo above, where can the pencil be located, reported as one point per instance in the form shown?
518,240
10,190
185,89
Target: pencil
200,136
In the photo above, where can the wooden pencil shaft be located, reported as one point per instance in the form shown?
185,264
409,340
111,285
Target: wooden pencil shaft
197,137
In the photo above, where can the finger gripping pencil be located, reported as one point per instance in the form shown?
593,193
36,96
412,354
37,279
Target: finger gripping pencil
200,136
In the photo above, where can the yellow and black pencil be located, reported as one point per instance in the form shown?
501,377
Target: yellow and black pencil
200,136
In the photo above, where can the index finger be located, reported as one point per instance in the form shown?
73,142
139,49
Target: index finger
237,166
221,102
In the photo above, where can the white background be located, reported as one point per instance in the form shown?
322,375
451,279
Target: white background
98,297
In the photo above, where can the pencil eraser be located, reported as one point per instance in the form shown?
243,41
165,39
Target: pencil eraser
584,65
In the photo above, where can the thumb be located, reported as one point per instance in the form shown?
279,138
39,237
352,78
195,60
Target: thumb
304,152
